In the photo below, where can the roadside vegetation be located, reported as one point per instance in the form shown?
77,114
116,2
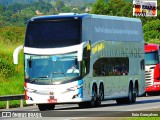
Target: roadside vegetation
13,19
11,76
141,118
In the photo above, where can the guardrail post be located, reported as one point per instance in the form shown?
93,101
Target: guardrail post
8,98
7,104
21,103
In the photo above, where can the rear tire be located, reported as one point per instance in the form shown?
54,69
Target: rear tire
135,94
101,95
131,95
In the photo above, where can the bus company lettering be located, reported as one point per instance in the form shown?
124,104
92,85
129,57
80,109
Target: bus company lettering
115,31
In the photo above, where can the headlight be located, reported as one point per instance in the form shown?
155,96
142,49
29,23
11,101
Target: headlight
29,90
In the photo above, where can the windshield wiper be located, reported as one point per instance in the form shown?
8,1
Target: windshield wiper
43,77
36,79
59,73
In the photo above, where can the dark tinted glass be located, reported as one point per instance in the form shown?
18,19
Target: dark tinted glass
52,33
111,67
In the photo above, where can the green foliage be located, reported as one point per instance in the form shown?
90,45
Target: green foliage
67,2
151,25
59,4
152,30
12,34
18,14
141,118
112,7
6,69
155,41
100,7
12,104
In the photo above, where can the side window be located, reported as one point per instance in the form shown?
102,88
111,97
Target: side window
97,68
111,67
86,60
142,64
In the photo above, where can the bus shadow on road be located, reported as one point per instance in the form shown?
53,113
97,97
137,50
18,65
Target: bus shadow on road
113,104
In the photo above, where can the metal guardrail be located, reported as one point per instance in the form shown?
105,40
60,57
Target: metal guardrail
8,98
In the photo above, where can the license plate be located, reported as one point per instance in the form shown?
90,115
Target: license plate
52,100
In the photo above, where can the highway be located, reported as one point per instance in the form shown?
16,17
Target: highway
107,109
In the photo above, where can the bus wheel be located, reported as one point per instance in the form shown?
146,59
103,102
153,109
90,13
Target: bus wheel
101,95
51,106
135,94
83,105
92,103
43,107
131,95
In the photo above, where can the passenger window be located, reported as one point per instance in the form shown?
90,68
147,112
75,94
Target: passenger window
86,61
111,67
142,64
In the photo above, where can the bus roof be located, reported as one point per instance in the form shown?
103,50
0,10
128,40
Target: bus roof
115,18
61,16
84,15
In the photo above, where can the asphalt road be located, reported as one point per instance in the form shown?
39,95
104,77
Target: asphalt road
144,106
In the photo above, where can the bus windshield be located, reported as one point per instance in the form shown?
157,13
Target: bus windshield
151,58
51,69
53,33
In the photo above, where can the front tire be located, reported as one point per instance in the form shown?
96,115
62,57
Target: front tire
93,101
44,107
83,105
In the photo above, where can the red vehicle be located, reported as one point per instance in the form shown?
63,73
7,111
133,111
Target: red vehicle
152,68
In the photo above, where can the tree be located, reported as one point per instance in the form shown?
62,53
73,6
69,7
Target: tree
59,5
152,30
126,10
112,7
100,7
2,8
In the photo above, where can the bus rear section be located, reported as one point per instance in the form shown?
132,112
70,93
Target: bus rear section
152,68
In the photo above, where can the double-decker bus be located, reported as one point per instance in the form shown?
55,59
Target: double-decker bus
152,68
107,53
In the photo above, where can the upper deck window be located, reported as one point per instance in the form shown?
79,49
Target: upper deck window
53,33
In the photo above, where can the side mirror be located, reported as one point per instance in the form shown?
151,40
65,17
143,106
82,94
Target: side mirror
15,54
159,55
30,63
